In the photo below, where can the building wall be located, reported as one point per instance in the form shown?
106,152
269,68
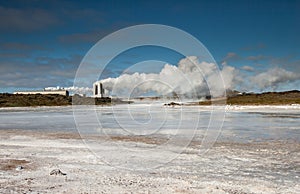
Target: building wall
98,90
60,92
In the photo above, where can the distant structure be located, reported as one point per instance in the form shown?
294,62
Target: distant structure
98,90
49,90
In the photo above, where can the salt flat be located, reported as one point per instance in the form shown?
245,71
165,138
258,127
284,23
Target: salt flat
257,150
265,167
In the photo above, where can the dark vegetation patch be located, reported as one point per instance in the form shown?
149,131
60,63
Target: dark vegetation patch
268,98
22,100
79,100
172,104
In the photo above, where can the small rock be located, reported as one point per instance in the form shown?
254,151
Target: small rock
57,172
172,104
19,168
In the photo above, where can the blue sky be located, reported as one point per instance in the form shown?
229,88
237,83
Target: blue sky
43,42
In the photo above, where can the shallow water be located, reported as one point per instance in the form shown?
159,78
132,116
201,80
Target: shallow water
240,123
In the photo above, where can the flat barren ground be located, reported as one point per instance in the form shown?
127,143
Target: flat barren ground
27,158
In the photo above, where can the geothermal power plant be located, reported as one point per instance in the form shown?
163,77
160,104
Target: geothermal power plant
98,90
48,90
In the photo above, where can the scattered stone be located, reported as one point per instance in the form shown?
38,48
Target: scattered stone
172,104
57,172
18,168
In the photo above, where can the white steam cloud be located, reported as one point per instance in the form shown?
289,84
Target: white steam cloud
273,78
193,79
190,79
78,90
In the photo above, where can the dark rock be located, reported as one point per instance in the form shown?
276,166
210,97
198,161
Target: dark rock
57,172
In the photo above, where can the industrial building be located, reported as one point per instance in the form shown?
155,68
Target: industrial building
49,90
98,90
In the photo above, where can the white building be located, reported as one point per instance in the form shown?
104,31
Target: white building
60,92
53,88
98,90
47,90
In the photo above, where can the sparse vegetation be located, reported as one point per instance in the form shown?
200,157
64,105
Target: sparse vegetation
268,98
21,100
79,100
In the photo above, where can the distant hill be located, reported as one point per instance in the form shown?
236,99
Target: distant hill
22,100
234,98
267,98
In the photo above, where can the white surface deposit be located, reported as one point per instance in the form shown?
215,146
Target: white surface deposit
257,150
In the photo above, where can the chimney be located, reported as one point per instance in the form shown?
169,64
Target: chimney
101,91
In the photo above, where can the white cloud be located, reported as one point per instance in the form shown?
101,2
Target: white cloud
257,58
273,78
79,90
230,76
194,79
248,68
231,56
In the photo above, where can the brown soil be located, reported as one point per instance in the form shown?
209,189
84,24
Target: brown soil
11,164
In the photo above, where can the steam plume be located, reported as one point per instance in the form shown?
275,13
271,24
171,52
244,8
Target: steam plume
190,79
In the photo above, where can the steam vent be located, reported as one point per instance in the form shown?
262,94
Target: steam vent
98,90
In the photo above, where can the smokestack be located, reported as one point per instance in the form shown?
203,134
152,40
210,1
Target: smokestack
98,89
101,91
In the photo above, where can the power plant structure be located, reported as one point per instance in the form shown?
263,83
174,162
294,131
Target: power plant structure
49,90
98,90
